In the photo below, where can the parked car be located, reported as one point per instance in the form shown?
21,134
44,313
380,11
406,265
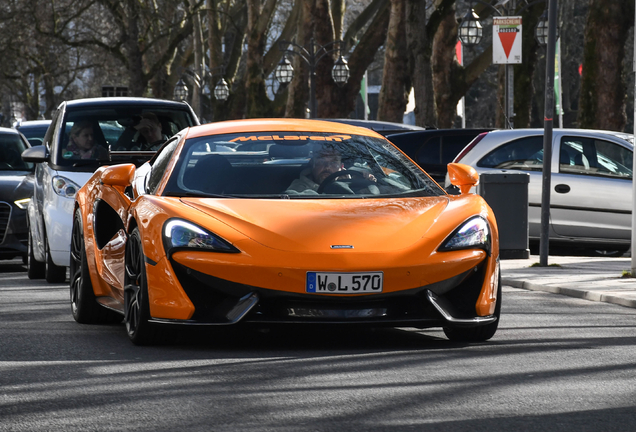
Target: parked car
434,149
591,183
61,169
34,130
16,188
381,127
359,236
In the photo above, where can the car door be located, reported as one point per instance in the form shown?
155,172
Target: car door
41,186
110,218
523,154
591,186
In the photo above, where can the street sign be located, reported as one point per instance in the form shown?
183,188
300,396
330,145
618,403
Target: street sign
506,40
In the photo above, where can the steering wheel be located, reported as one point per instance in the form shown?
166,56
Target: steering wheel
351,173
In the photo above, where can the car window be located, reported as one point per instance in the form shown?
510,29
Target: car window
590,156
288,163
521,154
160,164
114,128
11,148
34,134
430,153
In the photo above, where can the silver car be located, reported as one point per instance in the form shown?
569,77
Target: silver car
591,182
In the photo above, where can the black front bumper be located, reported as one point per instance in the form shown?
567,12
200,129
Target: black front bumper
450,303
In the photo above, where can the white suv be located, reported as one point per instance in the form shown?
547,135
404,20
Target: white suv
62,168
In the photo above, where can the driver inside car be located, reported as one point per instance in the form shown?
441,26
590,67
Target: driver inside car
322,165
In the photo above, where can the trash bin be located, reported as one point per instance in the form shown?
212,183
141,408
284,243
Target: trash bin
506,192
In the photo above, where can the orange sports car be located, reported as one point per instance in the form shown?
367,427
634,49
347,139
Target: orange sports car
283,221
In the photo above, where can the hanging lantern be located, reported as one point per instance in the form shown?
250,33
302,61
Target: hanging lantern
284,71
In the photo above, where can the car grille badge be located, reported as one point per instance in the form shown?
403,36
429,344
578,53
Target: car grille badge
341,247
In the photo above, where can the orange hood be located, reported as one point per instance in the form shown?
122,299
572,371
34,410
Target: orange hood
316,225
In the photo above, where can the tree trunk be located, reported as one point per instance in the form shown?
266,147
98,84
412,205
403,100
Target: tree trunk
298,91
339,102
420,68
444,69
524,72
258,18
325,37
395,80
602,100
137,84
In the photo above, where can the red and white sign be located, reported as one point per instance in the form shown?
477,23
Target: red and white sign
506,40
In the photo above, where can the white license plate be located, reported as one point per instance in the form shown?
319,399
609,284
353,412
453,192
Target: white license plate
344,283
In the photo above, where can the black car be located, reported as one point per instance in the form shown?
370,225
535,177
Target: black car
382,127
34,130
16,189
433,149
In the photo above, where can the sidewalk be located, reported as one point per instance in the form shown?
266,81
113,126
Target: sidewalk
590,278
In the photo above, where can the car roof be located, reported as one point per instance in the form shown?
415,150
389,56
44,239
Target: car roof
377,125
8,130
628,138
277,125
109,101
435,132
33,123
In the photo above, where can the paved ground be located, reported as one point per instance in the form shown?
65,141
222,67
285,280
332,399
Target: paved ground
597,279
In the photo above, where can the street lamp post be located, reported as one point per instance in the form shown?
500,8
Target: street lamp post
547,135
284,71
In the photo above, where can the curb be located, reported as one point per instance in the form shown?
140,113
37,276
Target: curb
571,292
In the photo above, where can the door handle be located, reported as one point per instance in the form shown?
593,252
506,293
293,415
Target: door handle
562,188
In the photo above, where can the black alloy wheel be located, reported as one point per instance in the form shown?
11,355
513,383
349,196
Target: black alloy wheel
84,304
136,304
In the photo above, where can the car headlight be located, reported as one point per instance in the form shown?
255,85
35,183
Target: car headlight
23,203
179,235
474,233
64,187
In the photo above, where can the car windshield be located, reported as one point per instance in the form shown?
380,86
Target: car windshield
296,165
34,134
89,134
11,148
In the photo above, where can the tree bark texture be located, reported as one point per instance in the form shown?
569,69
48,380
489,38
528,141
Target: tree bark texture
602,99
395,77
298,91
334,101
325,37
420,68
259,15
445,69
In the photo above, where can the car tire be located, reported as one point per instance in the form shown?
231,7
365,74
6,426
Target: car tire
53,273
476,334
136,303
84,306
35,268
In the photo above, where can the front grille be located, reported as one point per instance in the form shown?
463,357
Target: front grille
5,215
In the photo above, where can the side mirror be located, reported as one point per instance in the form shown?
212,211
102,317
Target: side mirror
118,175
37,154
463,176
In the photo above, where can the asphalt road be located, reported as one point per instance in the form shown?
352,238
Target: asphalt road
556,364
